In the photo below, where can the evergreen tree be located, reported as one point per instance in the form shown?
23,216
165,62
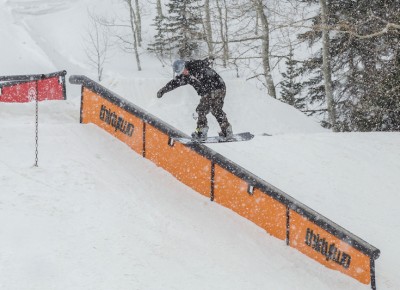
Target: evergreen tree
291,88
180,31
365,64
373,70
379,108
161,43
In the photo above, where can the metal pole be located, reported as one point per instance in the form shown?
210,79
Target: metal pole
36,126
373,280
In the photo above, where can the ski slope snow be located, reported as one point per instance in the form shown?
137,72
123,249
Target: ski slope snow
95,215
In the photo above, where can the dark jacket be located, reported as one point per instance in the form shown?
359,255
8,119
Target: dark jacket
203,78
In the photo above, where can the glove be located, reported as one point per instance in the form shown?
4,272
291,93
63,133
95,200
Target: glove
211,60
160,93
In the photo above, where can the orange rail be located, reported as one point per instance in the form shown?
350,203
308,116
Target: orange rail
228,184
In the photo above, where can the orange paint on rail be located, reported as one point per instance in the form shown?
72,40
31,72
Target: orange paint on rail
113,119
185,164
328,250
231,192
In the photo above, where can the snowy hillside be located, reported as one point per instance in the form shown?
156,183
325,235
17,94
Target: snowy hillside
93,217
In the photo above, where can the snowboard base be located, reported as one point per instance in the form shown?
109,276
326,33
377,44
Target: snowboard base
245,136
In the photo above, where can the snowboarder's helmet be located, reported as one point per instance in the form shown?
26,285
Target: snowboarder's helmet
178,66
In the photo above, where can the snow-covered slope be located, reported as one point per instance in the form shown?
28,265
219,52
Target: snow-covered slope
96,215
92,217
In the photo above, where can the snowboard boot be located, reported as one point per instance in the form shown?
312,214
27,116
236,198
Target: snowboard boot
200,133
226,133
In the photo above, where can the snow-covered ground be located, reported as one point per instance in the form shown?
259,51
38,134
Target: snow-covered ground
91,216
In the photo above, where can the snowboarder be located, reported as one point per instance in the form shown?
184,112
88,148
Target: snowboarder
209,86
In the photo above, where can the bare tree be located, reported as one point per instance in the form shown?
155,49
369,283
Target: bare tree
133,26
265,47
138,23
223,30
208,29
128,43
97,44
326,66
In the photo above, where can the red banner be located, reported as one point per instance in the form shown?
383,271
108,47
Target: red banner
45,87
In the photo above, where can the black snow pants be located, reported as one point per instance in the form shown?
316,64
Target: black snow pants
212,102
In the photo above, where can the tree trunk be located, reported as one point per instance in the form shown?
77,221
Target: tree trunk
138,23
326,65
98,45
226,40
208,28
135,46
265,48
159,9
223,26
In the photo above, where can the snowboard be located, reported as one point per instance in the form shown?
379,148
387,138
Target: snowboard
245,136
